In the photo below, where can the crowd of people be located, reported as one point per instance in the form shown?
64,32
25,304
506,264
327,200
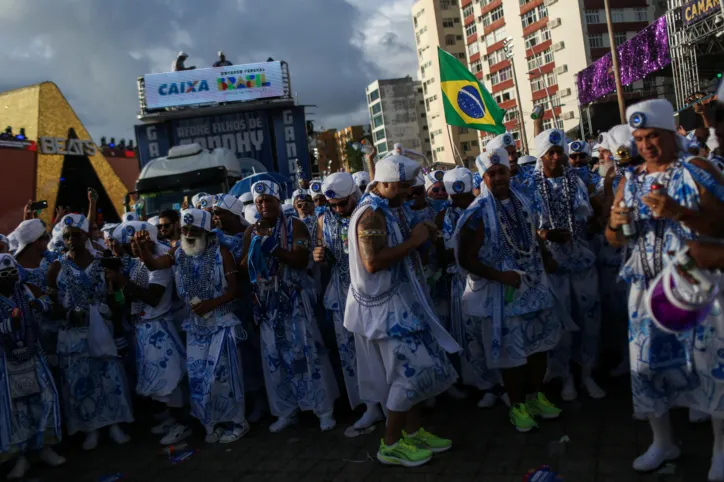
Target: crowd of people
434,281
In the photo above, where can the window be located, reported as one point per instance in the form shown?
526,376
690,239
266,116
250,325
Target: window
504,96
540,59
510,115
473,48
447,22
619,37
456,20
382,148
534,15
463,130
376,109
379,135
593,16
537,38
551,78
537,84
461,55
496,57
476,67
470,29
548,56
501,76
548,124
467,11
492,16
450,40
374,95
595,40
465,146
617,15
496,36
641,15
377,120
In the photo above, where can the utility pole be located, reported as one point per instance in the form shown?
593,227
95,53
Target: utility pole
508,47
616,69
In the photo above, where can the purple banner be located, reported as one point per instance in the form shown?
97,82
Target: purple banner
639,56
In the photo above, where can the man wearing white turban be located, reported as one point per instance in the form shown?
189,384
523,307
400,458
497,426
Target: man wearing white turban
92,376
385,290
564,211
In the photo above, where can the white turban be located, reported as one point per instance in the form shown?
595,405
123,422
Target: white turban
299,193
57,243
396,168
107,230
503,140
579,147
361,178
124,232
652,114
205,202
251,214
432,177
315,188
13,241
231,204
620,137
268,188
339,185
522,161
549,139
458,181
75,221
419,180
130,216
246,198
197,198
488,159
196,217
28,232
153,220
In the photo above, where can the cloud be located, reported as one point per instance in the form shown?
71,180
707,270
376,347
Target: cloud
95,50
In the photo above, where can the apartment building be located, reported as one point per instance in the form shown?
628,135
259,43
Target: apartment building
345,136
325,150
397,115
552,40
439,23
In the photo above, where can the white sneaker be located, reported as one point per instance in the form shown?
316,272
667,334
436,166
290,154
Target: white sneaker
51,457
371,416
327,421
91,440
117,435
716,471
234,434
488,400
21,468
456,393
215,436
164,427
655,457
594,391
696,416
569,392
282,423
177,433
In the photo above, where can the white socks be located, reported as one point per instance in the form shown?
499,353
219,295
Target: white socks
372,415
661,450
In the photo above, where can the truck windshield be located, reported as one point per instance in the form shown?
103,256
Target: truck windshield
158,201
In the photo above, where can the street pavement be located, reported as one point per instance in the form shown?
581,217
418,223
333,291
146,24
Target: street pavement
603,440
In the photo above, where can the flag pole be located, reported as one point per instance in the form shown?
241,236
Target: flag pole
616,69
459,159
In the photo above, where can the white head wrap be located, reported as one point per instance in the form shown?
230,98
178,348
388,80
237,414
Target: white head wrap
107,230
74,221
549,139
195,199
57,243
153,220
620,137
361,178
396,168
579,147
339,185
526,160
124,232
28,232
419,180
315,188
206,202
231,204
246,198
503,140
196,217
652,114
251,214
488,159
13,241
300,193
458,181
268,188
432,177
129,216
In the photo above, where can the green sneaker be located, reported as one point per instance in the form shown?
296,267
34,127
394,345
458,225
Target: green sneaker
426,440
403,453
541,407
520,417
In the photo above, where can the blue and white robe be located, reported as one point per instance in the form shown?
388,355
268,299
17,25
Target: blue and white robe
213,364
33,421
95,390
296,365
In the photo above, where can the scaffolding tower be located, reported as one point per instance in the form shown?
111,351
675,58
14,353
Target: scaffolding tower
695,50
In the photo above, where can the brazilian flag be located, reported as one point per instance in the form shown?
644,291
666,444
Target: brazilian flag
467,103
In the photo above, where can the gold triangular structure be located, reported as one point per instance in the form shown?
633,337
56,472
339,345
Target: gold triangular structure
44,112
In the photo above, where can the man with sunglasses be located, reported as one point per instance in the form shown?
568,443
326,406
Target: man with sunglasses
169,229
332,246
315,189
578,157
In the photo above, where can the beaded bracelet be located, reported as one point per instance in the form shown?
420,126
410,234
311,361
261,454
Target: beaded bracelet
371,233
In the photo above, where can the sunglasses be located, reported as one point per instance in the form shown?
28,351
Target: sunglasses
339,205
438,190
6,273
164,226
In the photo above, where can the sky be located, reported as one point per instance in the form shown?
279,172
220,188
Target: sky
94,50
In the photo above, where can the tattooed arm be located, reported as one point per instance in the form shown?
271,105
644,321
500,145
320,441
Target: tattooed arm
372,236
